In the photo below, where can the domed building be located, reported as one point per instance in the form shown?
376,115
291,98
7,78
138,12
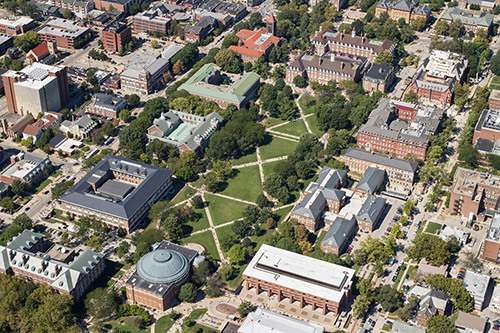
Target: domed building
160,274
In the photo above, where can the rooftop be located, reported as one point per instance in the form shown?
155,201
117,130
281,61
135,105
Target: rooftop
339,230
264,321
15,21
371,181
400,327
381,159
63,28
26,167
327,36
476,285
301,273
466,320
145,63
379,73
484,20
371,208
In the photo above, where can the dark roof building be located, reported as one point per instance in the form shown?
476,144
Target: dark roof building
370,213
55,141
196,33
338,236
371,181
118,191
108,106
379,77
471,21
160,274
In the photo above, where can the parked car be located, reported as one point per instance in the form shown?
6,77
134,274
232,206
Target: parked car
394,278
407,276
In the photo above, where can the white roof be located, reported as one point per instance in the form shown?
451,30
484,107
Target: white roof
495,298
265,321
476,285
301,273
459,233
68,146
15,21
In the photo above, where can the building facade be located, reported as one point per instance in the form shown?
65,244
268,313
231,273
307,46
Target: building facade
407,9
27,168
275,271
196,33
471,22
67,34
115,36
108,106
370,214
491,249
80,128
151,21
18,25
341,231
121,5
378,78
144,72
6,42
78,7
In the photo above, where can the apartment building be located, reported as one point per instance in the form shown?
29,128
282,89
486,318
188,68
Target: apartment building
27,168
78,7
477,286
121,5
150,20
471,22
341,231
437,74
107,106
143,72
407,9
370,214
17,25
115,36
400,128
326,40
67,34
491,249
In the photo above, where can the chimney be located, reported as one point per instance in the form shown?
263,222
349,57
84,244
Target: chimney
371,152
332,57
320,61
342,65
380,70
342,35
353,34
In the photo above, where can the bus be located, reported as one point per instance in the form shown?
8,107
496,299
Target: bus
92,153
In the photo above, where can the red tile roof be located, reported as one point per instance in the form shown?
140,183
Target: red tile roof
41,49
31,130
255,44
271,18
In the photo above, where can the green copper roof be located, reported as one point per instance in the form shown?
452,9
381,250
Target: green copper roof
241,87
163,266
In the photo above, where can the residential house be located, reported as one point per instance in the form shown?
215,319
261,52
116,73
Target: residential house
432,303
36,129
80,128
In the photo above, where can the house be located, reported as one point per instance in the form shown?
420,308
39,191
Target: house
432,302
371,182
341,231
467,323
379,77
44,53
477,286
370,213
17,130
36,129
80,128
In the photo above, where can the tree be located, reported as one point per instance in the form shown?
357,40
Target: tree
251,214
27,41
236,254
60,188
409,308
441,27
230,39
178,67
67,14
107,128
440,324
301,233
100,303
495,63
361,305
18,187
240,228
469,155
299,81
433,249
384,56
188,293
122,249
262,201
96,88
397,232
408,207
28,143
154,44
228,60
389,297
456,28
223,169
197,202
411,97
95,243
125,115
97,137
7,203
270,223
244,308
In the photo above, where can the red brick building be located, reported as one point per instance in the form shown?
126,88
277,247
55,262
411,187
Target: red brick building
437,74
491,249
378,78
16,26
407,9
107,106
494,100
67,34
341,231
28,168
151,21
299,278
115,36
76,6
400,128
121,5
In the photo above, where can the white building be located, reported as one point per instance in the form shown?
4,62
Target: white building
477,286
265,321
461,235
495,298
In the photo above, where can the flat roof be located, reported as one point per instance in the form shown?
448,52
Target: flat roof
115,188
63,28
15,21
299,272
476,285
265,321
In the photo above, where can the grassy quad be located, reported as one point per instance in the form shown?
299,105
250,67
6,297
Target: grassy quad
433,227
186,193
313,124
270,122
206,239
164,324
127,325
303,104
246,185
224,210
293,128
277,147
249,158
282,213
268,168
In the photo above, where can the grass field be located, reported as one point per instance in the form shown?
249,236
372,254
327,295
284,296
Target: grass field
186,193
224,231
294,128
270,122
224,210
199,222
400,274
281,213
127,325
268,168
320,238
252,157
313,123
495,86
277,147
206,239
42,185
246,185
163,324
433,227
303,101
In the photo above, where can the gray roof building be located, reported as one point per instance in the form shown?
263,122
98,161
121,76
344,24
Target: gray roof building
339,232
111,103
379,73
203,26
171,51
265,321
400,327
431,301
481,21
147,63
467,323
98,191
311,206
385,160
371,209
371,181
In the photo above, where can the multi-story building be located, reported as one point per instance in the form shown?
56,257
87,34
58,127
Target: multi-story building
35,89
299,278
474,192
115,36
341,231
236,10
471,22
484,5
207,84
322,195
326,40
29,255
67,34
117,191
36,129
437,74
254,44
372,181
151,21
370,213
494,100
17,129
407,9
400,173
17,25
6,42
121,5
339,4
400,128
432,303
491,249
468,323
378,78
108,106
263,320
80,128
143,72
403,327
79,7
487,131
160,275
196,33
28,168
187,132
225,19
477,286
331,66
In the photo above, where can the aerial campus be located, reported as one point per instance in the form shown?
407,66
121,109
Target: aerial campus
199,166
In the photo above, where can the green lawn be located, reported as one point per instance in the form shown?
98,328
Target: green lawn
246,185
252,157
496,80
127,326
197,314
277,147
454,317
268,168
42,185
198,222
419,231
224,210
270,122
281,213
318,241
494,86
400,274
163,324
206,239
412,271
224,231
56,174
184,194
313,123
294,128
303,101
387,327
433,227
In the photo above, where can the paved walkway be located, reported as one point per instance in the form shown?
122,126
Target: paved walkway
283,136
302,115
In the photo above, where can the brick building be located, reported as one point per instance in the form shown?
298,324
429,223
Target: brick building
400,173
17,25
322,195
144,72
107,106
341,231
370,214
27,168
67,34
437,74
202,28
115,36
471,22
372,181
400,128
484,5
36,129
160,275
117,191
331,66
6,42
487,131
207,84
299,278
432,303
121,5
491,249
78,7
326,40
407,9
29,255
474,192
263,320
379,77
150,20
494,100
